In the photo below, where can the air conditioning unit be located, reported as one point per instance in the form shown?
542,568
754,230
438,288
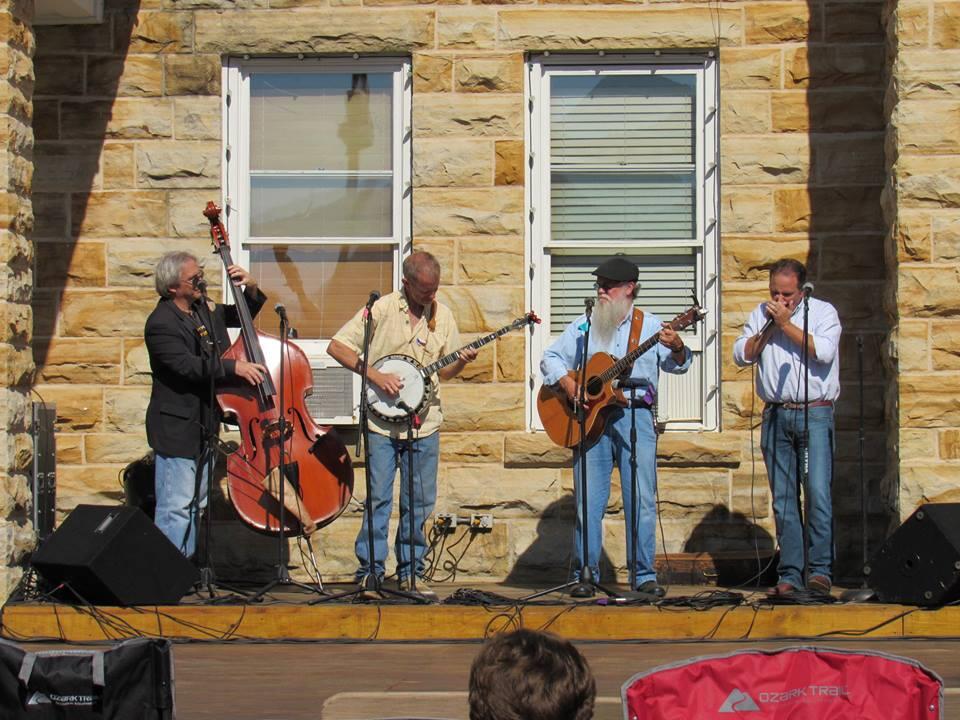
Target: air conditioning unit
336,392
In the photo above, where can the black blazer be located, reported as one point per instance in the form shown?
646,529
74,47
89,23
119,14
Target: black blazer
181,366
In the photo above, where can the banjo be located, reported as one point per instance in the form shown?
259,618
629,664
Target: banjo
418,386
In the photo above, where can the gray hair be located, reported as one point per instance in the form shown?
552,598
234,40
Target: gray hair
168,270
419,262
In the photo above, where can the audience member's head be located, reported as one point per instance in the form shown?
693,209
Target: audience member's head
529,675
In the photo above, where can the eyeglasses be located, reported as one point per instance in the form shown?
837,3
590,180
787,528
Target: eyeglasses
607,285
194,279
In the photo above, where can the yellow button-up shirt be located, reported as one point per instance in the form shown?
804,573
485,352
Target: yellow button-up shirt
391,334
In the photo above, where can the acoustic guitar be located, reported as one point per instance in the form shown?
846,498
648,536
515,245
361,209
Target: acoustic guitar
559,415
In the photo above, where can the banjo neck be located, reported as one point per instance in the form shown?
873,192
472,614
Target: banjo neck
434,367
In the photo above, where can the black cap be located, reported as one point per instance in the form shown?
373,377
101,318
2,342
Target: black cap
617,268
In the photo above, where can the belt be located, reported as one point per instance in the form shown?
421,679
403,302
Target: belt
638,403
800,405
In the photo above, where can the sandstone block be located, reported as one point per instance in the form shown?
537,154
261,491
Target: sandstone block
64,39
46,312
946,236
16,366
180,165
749,68
452,163
534,450
471,408
847,256
484,260
160,32
563,29
187,219
343,30
445,250
490,74
837,65
929,182
929,401
78,408
88,484
750,257
839,110
683,494
509,163
928,291
490,555
750,493
841,159
698,450
946,25
911,24
66,264
510,359
124,119
493,211
745,113
192,75
69,449
129,76
480,308
50,216
46,119
913,236
474,447
919,444
134,213
58,75
772,160
481,369
474,115
912,345
472,27
118,167
854,22
740,408
118,447
827,209
948,444
746,210
778,23
927,126
106,313
503,491
925,483
739,300
945,345
130,264
432,73
125,410
197,118
75,361
17,320
136,363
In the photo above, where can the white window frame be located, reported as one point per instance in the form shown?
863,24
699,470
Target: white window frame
235,76
538,246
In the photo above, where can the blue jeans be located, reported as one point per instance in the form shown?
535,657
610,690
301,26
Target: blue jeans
780,438
613,447
178,509
386,456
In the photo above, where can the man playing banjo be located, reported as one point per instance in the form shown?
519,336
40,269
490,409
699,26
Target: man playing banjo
407,322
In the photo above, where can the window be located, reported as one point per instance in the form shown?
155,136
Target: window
316,187
623,158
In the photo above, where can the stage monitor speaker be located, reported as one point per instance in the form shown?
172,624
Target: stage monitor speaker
109,555
920,563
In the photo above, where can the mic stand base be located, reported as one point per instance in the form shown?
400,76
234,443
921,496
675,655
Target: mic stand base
585,587
368,584
283,579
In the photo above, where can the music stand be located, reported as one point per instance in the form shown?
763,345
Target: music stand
586,585
372,581
283,573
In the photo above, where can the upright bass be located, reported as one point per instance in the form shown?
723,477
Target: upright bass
316,481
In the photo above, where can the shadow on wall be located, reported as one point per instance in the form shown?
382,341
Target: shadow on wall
740,552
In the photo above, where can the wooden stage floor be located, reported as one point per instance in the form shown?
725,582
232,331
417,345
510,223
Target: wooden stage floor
284,658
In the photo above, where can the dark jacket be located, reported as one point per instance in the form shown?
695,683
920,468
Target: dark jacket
181,365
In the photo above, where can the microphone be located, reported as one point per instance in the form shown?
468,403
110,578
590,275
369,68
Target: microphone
200,284
406,408
807,289
374,296
588,304
280,310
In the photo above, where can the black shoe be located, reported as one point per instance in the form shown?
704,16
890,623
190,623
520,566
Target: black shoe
650,587
582,590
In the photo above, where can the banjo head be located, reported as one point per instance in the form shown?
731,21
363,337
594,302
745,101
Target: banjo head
413,393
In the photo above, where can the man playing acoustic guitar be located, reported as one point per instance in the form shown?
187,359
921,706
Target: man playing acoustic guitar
610,332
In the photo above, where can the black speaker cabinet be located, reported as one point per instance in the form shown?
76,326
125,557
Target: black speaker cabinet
920,563
114,556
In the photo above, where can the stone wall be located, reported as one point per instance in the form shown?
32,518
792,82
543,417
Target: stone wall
923,202
127,118
16,218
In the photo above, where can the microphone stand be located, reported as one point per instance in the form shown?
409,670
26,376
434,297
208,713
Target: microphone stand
587,585
372,581
283,573
860,461
805,441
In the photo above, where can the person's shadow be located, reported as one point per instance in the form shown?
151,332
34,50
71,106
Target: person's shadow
548,560
741,552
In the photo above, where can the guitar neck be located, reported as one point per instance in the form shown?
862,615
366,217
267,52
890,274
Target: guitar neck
618,368
476,345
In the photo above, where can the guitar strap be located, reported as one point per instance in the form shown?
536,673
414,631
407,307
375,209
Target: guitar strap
635,327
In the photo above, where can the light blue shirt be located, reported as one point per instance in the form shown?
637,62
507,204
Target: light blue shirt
780,376
565,352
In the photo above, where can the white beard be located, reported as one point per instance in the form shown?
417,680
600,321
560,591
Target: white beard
607,316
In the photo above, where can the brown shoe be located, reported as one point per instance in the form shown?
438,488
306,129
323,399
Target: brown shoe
781,590
820,584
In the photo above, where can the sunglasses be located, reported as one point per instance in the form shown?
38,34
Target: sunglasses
609,284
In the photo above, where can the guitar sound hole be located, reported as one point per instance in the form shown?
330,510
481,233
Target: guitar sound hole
594,386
